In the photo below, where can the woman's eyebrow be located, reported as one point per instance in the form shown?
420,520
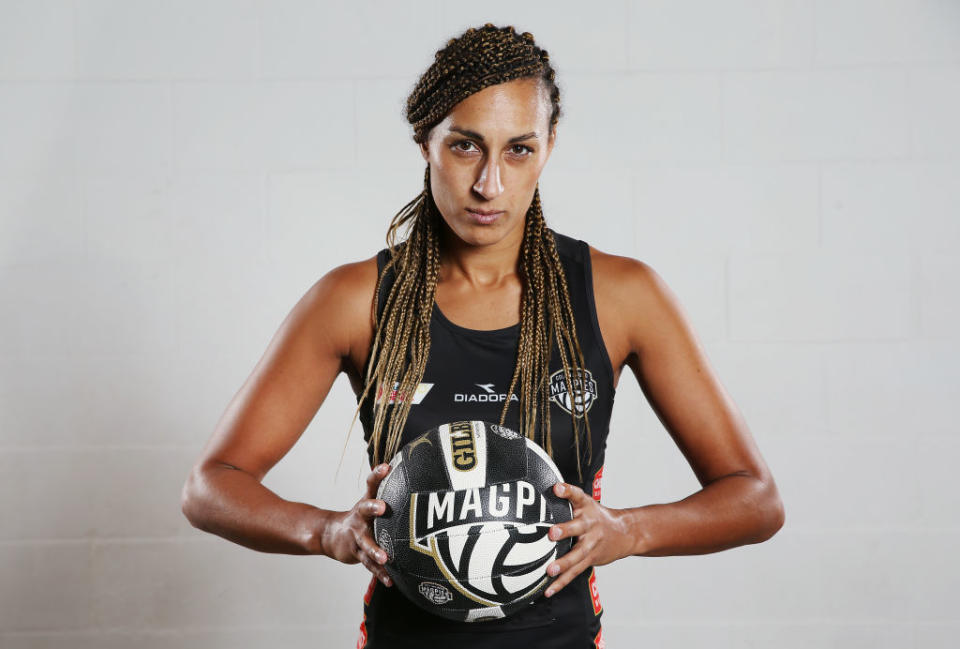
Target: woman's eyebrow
477,136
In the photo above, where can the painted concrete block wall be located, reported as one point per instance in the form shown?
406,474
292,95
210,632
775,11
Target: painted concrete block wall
174,175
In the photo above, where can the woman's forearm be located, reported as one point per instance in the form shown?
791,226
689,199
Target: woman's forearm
731,511
232,504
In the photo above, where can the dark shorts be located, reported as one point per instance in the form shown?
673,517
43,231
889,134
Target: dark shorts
568,620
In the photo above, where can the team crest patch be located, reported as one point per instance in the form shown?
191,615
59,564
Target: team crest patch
385,542
436,593
579,400
503,432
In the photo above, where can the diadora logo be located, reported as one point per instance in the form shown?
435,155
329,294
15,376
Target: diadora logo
579,400
463,448
418,394
487,393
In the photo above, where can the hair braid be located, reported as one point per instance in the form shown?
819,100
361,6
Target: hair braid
478,58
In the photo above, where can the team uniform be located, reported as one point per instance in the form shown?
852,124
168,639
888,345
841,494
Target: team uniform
466,377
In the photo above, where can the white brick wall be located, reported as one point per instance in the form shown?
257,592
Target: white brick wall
173,176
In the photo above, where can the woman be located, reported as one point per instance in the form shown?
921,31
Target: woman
456,321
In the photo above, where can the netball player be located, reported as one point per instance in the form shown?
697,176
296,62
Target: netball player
484,312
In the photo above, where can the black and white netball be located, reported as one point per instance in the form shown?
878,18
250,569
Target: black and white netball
469,506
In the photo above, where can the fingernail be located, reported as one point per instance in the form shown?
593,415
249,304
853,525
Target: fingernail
387,581
553,570
381,469
554,533
549,592
560,489
381,556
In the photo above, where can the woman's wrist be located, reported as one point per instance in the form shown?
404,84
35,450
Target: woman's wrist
636,530
318,525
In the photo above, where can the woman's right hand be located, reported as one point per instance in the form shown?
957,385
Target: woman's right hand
349,535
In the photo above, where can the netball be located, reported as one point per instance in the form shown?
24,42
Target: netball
469,505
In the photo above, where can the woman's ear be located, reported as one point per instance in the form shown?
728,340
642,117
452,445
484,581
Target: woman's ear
425,151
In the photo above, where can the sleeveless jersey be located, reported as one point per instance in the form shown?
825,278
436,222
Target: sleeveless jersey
467,374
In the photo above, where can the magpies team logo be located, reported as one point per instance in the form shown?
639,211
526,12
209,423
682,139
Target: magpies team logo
579,400
490,544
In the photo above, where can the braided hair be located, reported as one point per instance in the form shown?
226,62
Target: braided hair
478,58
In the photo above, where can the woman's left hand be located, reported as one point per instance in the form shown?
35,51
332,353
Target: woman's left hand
602,534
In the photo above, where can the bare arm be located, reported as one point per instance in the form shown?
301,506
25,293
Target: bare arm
739,503
223,494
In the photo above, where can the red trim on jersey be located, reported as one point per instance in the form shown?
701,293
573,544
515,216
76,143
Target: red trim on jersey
373,584
596,483
362,640
594,593
598,642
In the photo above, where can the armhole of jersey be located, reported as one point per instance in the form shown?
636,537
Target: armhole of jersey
592,305
384,288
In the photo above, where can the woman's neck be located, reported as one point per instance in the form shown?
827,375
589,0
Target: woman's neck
480,266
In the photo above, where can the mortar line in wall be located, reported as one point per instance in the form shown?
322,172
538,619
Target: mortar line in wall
110,540
819,168
626,34
93,448
726,298
916,301
790,621
133,540
178,630
884,621
355,90
721,91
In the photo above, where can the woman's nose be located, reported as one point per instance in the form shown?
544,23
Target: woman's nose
489,185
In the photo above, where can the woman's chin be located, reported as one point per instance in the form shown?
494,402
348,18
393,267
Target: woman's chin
477,234
483,235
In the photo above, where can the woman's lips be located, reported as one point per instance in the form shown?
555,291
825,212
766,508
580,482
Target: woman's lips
483,219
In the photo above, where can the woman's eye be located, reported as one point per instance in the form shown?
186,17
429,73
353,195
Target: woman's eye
524,150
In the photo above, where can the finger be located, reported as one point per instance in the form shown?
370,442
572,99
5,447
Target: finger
373,480
375,568
368,547
574,527
566,577
571,492
563,564
370,509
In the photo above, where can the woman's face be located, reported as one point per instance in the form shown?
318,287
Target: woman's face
487,154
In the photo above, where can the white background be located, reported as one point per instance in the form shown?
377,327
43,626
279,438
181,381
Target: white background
174,175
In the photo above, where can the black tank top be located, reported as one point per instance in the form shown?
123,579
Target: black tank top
467,375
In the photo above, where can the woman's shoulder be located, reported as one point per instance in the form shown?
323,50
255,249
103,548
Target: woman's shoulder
340,303
612,269
624,285
352,281
632,294
359,272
